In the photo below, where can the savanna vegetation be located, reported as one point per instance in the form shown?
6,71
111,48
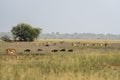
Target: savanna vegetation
86,62
78,66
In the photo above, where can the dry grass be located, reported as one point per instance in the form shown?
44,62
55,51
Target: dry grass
88,63
78,66
78,40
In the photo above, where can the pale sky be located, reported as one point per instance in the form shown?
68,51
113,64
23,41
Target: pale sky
64,16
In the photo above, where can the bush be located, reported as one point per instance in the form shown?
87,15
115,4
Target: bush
5,38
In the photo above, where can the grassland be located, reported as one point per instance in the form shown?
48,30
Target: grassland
77,66
88,64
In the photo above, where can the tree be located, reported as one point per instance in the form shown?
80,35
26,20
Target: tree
6,38
25,32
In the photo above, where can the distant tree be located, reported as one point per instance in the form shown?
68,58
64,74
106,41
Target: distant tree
5,38
25,32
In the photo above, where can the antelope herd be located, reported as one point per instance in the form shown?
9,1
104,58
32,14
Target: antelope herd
55,44
53,47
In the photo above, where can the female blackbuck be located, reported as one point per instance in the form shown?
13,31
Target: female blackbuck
11,51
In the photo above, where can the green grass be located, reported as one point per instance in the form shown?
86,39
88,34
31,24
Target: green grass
67,66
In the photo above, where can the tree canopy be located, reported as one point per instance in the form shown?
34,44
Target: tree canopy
25,32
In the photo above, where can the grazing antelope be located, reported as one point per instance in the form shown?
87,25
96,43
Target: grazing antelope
106,44
62,50
27,50
100,44
84,44
54,44
74,44
70,50
93,44
54,50
87,44
39,50
61,42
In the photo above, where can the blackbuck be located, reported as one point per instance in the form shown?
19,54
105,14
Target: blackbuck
54,50
62,50
70,50
11,51
27,50
39,50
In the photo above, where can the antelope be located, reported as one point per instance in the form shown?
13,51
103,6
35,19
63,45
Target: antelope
54,50
11,51
62,50
74,44
70,50
27,50
106,44
39,50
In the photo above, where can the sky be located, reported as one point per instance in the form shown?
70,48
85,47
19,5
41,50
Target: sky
63,16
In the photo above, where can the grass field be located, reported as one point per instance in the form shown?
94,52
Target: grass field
88,64
78,66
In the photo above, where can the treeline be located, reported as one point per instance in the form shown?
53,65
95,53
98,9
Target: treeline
71,36
79,36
